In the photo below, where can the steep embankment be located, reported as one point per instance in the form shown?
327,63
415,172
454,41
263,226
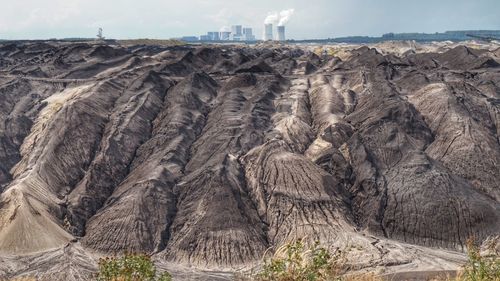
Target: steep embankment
209,157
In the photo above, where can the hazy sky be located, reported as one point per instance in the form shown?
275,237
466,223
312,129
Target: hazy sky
37,19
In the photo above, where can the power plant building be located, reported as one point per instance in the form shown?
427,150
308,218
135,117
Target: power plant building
268,32
248,34
280,33
274,29
225,35
214,36
236,32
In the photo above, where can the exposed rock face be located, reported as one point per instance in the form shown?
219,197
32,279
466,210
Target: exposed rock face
209,156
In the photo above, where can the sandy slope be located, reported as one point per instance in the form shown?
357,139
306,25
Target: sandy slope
209,157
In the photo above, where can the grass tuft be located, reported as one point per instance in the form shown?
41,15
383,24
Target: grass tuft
130,267
297,261
480,267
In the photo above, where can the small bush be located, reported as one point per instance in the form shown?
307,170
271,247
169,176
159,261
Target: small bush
130,267
294,262
298,262
478,267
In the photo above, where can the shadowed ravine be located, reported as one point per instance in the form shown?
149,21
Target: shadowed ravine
207,157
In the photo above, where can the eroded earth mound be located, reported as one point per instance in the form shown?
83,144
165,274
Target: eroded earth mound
209,156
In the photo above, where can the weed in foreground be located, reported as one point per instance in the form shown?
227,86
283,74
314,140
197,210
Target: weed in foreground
297,261
480,267
130,267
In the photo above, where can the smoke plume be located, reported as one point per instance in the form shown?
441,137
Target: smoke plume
285,16
225,29
280,18
272,18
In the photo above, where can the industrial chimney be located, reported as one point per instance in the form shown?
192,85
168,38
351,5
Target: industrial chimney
268,31
281,32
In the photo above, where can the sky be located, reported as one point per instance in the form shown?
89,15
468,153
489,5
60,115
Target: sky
162,19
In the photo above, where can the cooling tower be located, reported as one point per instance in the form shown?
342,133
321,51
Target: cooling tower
268,32
281,33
